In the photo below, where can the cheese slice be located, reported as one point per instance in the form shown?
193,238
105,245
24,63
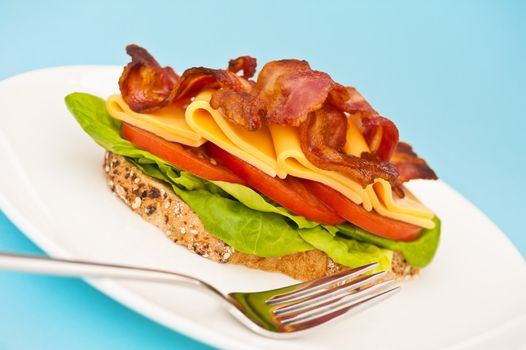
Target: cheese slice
355,143
254,147
168,122
378,196
406,209
275,150
408,205
292,160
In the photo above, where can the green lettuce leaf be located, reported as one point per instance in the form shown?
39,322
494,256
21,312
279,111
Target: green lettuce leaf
90,112
349,252
241,217
418,253
255,201
248,230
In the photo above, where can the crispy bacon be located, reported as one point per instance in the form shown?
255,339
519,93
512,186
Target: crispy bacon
144,84
380,133
409,165
356,102
232,99
322,138
237,106
246,64
287,92
196,79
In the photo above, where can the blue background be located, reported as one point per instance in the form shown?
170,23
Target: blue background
451,74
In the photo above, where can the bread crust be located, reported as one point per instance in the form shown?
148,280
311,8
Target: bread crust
156,203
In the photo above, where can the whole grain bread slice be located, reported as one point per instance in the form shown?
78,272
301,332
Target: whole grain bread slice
156,203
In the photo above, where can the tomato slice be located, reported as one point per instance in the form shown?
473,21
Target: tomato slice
191,159
368,220
290,192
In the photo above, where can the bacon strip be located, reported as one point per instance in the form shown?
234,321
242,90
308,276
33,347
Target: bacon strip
409,165
232,99
246,64
144,84
287,92
237,106
322,138
380,133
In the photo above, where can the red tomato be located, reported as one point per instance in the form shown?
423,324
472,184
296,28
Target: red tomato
290,192
193,160
368,220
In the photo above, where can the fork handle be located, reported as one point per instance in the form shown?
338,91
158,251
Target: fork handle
79,268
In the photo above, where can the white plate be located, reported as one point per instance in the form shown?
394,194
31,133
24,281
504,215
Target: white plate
52,188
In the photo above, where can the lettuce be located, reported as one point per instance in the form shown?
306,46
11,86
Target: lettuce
349,252
240,216
418,253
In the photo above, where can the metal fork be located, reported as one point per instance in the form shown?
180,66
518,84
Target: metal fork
278,313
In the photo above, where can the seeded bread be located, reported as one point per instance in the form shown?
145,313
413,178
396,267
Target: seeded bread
156,203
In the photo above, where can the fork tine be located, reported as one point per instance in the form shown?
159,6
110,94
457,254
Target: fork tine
328,294
348,310
306,289
334,305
